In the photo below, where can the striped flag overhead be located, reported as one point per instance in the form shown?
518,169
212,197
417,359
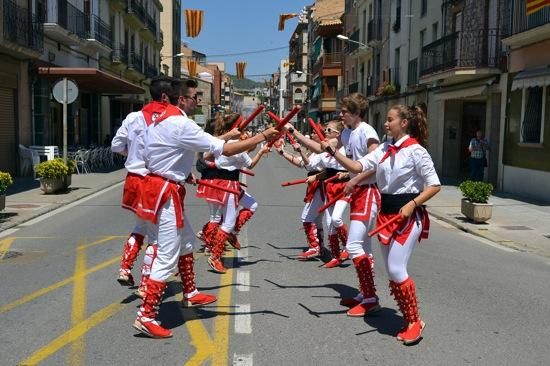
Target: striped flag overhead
535,5
193,22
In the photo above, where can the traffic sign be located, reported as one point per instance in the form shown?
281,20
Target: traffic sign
72,91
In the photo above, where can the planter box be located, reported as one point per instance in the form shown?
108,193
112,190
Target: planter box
49,185
2,201
67,181
477,212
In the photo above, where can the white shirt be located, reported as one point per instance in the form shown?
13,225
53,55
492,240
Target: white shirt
329,162
235,162
314,162
357,146
129,138
170,147
408,171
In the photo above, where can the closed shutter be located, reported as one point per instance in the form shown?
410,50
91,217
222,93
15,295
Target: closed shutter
7,131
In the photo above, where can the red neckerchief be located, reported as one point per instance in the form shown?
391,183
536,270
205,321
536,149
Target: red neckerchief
152,111
171,110
392,149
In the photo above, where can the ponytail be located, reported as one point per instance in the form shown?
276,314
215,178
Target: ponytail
418,123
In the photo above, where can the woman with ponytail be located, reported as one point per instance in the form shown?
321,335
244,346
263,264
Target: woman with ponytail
406,177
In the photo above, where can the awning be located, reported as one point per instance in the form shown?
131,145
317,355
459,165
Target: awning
472,91
531,78
91,80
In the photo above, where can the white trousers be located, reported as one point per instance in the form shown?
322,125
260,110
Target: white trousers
334,214
145,228
172,242
396,256
230,211
310,213
359,242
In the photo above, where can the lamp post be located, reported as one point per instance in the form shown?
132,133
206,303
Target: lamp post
346,39
166,67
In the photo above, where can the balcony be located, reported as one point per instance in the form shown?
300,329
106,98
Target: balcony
329,61
352,46
150,70
135,62
136,13
298,79
66,23
23,29
101,36
374,31
327,100
413,73
528,29
461,56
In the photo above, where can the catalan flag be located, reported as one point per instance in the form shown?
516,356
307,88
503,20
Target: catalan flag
283,18
193,22
192,67
535,5
240,66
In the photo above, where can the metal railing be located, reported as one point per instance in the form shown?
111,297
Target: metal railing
102,31
353,87
135,62
374,30
150,70
21,26
72,19
151,24
413,72
136,7
522,22
352,46
469,49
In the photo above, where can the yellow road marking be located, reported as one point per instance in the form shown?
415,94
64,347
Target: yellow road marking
74,333
5,245
206,347
57,285
77,351
100,241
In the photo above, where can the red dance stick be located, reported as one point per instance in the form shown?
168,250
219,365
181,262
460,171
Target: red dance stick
385,225
207,184
247,172
251,117
282,122
273,116
293,182
334,177
290,138
237,123
316,129
338,197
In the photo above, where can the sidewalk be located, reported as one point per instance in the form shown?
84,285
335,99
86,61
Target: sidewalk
516,224
26,201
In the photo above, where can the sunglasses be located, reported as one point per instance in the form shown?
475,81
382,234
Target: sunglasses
194,97
329,130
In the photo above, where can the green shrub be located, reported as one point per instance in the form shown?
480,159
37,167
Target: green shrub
71,165
52,169
476,192
5,182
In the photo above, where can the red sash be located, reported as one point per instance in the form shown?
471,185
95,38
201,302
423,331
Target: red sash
156,191
169,111
362,198
131,196
400,231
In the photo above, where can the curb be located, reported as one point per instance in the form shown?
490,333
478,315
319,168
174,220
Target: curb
55,206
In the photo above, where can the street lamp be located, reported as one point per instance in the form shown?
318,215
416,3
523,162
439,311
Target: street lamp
173,56
346,39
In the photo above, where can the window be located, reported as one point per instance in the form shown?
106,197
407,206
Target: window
396,74
397,23
435,27
364,28
533,114
423,8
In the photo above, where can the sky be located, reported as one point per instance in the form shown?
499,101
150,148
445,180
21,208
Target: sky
234,26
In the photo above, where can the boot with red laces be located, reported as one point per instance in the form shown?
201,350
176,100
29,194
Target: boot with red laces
245,214
334,251
218,244
342,232
369,304
129,255
233,241
191,296
405,295
146,322
207,233
148,259
314,249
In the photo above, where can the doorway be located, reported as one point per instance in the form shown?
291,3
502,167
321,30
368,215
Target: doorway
473,119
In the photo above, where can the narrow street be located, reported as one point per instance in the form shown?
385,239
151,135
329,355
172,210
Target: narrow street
60,304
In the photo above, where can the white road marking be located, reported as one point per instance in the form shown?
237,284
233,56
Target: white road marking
69,206
243,319
242,360
243,281
7,232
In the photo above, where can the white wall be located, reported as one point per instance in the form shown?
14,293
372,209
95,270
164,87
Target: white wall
526,182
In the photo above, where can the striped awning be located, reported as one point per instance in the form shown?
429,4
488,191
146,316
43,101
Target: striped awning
531,78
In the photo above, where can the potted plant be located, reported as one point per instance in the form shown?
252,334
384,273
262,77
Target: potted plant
52,175
475,204
71,167
5,182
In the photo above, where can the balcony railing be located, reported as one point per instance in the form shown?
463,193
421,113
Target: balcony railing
136,7
352,46
150,70
468,49
124,54
136,62
329,93
353,87
21,26
72,19
374,30
328,60
522,22
102,31
151,24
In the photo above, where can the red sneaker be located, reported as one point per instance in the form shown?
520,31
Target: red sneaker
412,333
151,327
350,302
310,253
200,235
333,263
216,265
363,309
233,241
198,300
344,256
140,292
125,278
